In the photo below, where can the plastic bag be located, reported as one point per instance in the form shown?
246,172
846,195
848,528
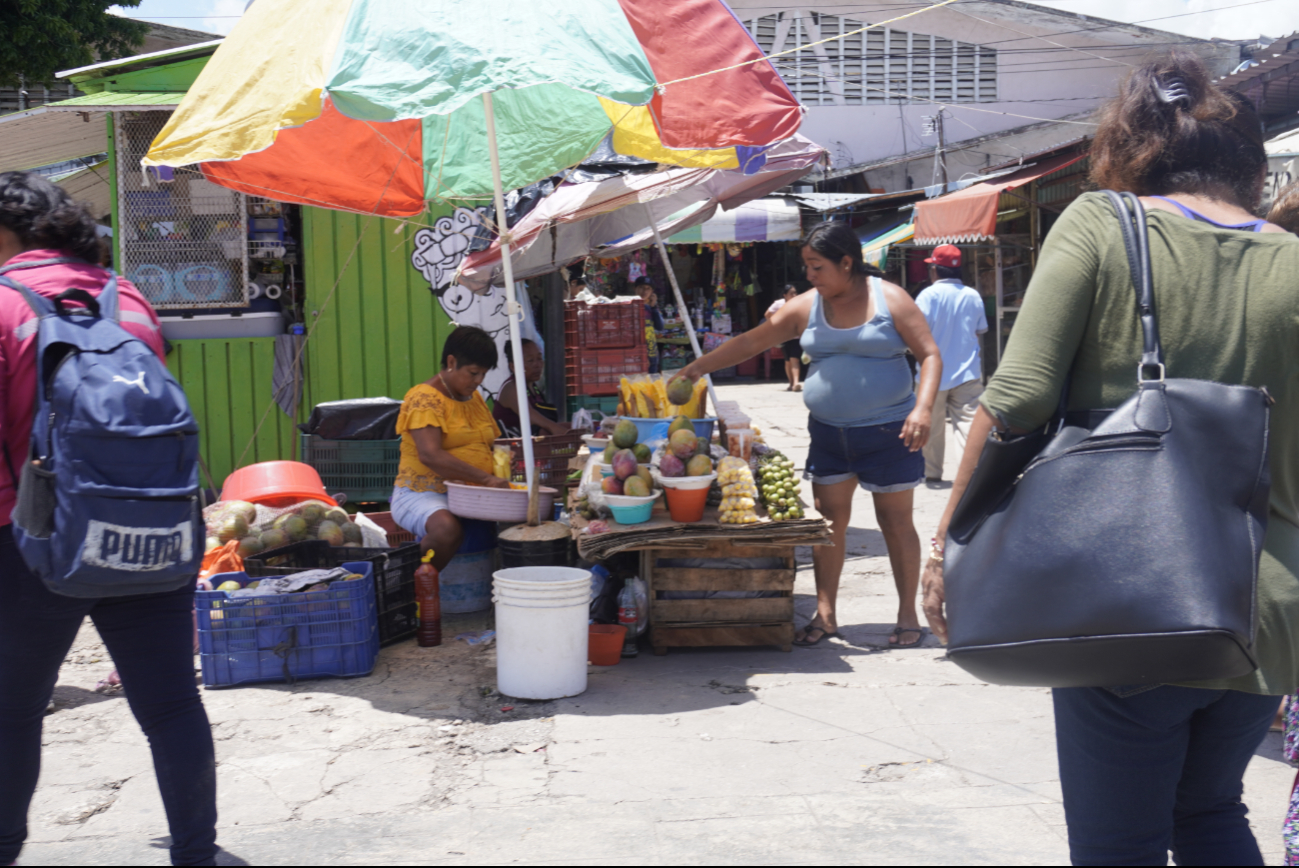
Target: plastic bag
221,560
355,419
582,421
372,535
262,528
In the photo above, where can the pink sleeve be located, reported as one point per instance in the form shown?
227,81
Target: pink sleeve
139,318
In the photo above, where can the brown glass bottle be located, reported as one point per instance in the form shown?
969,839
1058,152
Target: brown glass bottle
428,603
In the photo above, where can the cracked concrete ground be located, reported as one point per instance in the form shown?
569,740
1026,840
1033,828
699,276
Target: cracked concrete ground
846,753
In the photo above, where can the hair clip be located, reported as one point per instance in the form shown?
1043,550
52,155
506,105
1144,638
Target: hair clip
1173,91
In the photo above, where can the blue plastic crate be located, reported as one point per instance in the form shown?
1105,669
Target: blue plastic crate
246,640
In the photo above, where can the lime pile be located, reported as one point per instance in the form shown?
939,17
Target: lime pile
780,488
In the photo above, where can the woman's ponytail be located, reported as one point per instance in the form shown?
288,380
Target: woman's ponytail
1171,130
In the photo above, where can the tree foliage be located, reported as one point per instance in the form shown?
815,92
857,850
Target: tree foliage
41,37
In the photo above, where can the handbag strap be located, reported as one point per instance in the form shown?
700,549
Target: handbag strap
1136,243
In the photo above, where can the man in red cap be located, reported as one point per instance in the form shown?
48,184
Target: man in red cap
956,318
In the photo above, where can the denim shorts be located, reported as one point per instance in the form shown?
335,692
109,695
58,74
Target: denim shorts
411,509
874,454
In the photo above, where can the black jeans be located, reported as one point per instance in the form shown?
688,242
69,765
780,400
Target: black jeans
1158,770
151,641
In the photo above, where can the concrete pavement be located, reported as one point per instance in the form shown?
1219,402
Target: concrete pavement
846,753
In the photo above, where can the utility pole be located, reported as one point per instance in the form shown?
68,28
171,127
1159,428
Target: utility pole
933,125
942,148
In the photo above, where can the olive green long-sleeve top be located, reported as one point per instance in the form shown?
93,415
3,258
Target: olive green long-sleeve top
1227,302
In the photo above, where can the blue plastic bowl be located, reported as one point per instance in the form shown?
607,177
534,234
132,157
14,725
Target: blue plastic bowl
649,430
632,514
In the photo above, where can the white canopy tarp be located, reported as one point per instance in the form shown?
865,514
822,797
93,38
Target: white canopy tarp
593,219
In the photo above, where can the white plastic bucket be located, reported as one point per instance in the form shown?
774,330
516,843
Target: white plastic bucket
466,582
541,631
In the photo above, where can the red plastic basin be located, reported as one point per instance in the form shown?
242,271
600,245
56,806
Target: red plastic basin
276,483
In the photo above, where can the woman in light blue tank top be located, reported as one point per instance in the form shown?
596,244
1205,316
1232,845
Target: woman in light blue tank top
866,424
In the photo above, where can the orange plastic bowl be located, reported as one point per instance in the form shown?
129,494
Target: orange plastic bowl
275,484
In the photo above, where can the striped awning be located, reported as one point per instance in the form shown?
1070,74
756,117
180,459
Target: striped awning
876,250
775,219
971,214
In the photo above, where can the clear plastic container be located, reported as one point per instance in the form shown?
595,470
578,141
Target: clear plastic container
739,442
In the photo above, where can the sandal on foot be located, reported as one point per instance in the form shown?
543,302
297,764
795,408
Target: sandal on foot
897,634
807,631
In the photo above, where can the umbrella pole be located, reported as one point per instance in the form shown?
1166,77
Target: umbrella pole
681,302
512,310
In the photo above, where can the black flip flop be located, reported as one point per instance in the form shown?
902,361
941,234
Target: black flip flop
898,631
803,643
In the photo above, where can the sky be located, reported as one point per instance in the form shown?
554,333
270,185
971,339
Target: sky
1227,19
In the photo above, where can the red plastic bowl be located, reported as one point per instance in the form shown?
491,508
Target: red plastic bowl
276,483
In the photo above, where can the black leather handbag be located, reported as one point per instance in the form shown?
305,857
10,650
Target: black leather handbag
1122,549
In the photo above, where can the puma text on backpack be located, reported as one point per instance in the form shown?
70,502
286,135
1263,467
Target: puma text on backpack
108,494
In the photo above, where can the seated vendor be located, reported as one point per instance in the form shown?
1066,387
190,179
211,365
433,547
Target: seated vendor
545,418
447,433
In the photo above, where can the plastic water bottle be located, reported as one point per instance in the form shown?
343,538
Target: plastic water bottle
628,614
428,604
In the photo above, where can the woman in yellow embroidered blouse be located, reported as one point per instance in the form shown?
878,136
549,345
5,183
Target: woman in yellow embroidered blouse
446,433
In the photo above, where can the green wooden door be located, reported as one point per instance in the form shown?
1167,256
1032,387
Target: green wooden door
228,384
377,326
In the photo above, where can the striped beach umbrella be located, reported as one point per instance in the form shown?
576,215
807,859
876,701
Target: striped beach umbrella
383,106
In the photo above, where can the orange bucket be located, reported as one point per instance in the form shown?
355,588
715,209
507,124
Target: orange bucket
275,484
686,505
605,646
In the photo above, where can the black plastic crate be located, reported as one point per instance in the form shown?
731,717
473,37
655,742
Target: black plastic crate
394,577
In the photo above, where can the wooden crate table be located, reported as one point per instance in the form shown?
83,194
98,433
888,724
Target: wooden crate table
711,621
726,621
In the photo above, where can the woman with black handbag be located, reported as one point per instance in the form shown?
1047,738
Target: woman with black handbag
1152,766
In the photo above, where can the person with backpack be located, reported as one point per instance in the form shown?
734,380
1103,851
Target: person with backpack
105,522
1149,768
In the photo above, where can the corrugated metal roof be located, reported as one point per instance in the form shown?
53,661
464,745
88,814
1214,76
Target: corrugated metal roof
111,100
43,136
89,185
1272,83
831,201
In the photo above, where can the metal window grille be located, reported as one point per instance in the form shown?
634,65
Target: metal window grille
183,242
874,67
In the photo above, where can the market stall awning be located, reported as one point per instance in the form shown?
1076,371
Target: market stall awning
971,214
68,129
876,250
609,217
760,220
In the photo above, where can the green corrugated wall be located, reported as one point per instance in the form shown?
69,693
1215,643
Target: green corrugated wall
379,334
228,384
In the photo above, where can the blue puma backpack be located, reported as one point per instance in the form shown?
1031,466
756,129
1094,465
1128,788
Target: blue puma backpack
108,496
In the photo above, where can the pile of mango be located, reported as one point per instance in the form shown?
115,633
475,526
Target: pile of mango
311,519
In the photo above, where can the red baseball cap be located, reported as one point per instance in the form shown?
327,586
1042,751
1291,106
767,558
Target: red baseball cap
948,255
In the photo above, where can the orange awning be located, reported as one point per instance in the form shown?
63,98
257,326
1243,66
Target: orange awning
971,214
